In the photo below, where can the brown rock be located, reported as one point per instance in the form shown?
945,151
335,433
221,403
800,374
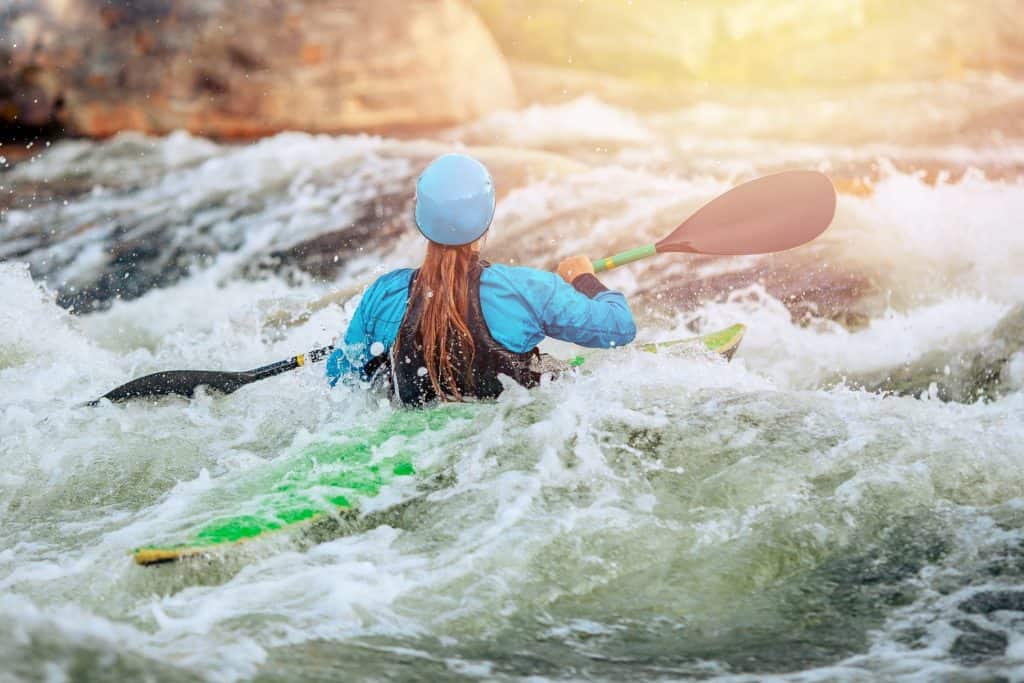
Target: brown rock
808,289
242,68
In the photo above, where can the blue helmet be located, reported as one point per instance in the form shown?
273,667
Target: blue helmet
454,200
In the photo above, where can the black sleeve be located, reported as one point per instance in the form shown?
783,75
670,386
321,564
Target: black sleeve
588,285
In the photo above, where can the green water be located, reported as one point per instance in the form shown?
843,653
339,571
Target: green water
656,517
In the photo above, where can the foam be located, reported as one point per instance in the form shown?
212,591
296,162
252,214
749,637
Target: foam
661,502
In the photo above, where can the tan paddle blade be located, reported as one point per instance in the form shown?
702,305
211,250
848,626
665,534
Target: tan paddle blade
773,213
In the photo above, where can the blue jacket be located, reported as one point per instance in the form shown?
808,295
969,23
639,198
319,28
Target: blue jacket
521,306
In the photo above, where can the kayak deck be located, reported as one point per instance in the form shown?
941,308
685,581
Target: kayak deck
326,478
724,342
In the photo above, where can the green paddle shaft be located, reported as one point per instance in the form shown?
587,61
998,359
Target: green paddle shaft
624,257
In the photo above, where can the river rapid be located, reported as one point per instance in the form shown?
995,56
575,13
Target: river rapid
842,501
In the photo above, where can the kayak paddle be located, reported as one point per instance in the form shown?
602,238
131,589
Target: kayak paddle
185,382
773,213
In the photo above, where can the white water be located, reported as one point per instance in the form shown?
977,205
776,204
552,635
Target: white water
659,517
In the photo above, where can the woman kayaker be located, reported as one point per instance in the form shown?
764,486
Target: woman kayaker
449,328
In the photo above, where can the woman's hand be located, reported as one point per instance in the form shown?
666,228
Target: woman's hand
574,266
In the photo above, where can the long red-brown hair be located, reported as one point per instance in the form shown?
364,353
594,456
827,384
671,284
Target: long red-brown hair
448,349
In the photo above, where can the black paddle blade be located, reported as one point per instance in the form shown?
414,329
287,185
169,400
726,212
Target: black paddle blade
185,382
773,213
177,382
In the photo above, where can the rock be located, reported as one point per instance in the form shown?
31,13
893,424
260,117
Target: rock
977,644
986,602
978,372
389,215
245,68
806,288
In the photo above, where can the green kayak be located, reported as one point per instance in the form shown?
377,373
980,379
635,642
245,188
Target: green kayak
333,476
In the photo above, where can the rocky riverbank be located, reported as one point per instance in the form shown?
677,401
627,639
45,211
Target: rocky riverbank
233,69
